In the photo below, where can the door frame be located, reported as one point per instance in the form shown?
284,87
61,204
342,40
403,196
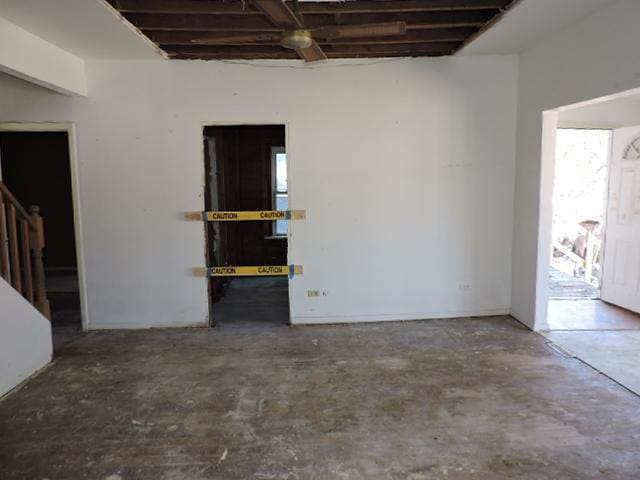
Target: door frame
70,129
253,123
549,127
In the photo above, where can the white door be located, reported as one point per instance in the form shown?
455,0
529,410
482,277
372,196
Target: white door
621,266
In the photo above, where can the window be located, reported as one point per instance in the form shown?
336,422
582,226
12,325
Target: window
280,188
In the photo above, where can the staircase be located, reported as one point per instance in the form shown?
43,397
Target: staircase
21,245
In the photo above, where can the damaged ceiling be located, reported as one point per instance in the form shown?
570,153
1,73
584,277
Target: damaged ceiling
236,29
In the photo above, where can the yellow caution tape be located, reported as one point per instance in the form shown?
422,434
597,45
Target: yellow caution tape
230,216
261,271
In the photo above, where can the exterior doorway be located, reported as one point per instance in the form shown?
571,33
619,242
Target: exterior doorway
579,213
601,328
593,284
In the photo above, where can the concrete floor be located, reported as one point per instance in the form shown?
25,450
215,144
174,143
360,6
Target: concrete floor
604,336
590,315
614,353
442,399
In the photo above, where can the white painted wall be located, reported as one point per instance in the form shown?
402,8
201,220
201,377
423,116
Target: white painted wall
594,58
612,114
27,56
25,339
405,169
530,22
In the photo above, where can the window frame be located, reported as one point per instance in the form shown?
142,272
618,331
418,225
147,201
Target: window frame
275,150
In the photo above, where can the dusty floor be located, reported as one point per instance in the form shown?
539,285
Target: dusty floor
604,336
64,300
254,299
443,399
616,353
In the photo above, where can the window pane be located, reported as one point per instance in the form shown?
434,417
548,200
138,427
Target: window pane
281,172
282,203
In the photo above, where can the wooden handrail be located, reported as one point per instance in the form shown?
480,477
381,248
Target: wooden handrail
11,199
21,246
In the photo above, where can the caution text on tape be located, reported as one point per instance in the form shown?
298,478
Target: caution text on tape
259,271
238,216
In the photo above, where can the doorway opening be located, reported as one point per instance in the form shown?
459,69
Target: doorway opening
579,211
580,192
246,170
36,168
595,314
593,269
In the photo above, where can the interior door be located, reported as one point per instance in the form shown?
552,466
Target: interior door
621,266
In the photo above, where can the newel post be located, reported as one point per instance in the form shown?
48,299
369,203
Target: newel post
4,242
37,245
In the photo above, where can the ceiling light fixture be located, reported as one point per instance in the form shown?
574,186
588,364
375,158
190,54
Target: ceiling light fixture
297,39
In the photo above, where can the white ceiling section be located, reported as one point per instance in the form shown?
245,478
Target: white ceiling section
86,28
530,22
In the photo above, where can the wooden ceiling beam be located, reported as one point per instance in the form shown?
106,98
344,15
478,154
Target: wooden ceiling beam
288,56
222,23
168,39
208,7
234,56
377,50
489,24
165,22
434,27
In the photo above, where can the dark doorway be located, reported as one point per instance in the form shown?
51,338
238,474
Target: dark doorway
35,167
246,170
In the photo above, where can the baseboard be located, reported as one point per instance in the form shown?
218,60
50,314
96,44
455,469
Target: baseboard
320,320
144,326
400,317
37,366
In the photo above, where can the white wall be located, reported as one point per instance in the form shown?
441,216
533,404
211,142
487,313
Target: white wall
30,57
608,115
25,339
597,57
405,169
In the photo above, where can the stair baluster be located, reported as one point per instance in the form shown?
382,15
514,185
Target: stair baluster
21,247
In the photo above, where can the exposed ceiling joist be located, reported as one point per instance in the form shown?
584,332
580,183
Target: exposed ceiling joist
307,8
228,29
294,56
168,39
245,23
432,49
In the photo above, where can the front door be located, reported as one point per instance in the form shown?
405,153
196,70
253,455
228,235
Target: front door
621,279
